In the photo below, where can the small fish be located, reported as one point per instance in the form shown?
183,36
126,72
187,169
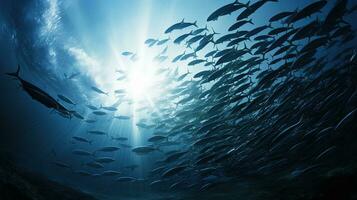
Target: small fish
82,139
180,25
72,76
77,115
83,173
182,37
226,10
110,173
122,117
104,160
127,53
108,149
99,113
120,138
81,152
92,107
173,171
163,41
66,99
143,150
96,132
109,108
126,179
200,30
120,91
308,11
99,91
157,138
95,165
62,164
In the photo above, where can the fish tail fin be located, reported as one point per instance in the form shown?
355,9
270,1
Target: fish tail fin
206,27
251,22
245,46
195,24
15,74
214,32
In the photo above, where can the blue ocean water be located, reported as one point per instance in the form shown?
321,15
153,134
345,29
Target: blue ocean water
53,40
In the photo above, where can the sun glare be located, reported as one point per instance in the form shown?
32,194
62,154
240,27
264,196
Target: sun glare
141,80
139,83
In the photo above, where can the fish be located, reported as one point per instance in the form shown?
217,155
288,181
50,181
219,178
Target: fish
163,41
182,38
97,132
41,96
108,149
173,171
110,173
120,91
199,30
95,165
225,10
195,62
308,10
239,24
281,16
99,113
72,76
81,152
109,108
99,91
83,173
194,40
104,160
157,138
252,8
143,150
82,139
180,25
126,179
62,164
150,41
127,53
120,138
77,115
92,107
